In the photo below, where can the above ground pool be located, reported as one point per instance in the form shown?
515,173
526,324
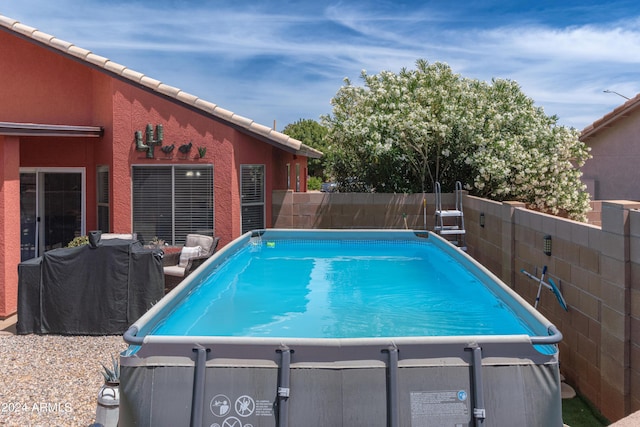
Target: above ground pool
341,328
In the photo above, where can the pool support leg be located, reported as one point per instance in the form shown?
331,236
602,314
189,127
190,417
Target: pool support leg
197,402
479,412
283,386
393,419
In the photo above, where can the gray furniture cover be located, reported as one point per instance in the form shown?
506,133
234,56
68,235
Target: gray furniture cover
88,290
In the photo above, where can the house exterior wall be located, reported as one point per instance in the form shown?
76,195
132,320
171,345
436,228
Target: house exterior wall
9,217
596,267
612,172
41,85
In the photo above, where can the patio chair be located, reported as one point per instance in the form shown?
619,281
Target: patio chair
178,265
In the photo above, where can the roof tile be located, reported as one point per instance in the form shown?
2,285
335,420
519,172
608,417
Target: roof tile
222,113
7,22
132,75
286,140
240,120
205,105
168,90
42,37
187,98
150,83
114,67
98,60
611,117
60,44
260,129
78,52
23,29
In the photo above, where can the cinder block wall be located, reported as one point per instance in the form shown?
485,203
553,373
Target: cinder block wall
598,271
596,267
634,309
354,210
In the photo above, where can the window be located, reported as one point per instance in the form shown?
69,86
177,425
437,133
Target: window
170,202
288,176
104,221
252,197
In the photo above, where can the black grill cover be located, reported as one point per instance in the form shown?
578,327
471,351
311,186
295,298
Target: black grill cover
88,290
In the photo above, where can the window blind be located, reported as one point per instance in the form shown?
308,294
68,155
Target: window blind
170,202
102,180
252,197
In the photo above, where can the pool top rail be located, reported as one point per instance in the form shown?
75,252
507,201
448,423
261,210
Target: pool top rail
139,333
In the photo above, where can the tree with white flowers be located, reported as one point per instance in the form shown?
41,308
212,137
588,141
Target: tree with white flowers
403,132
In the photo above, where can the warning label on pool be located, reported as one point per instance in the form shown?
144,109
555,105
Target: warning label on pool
238,411
430,408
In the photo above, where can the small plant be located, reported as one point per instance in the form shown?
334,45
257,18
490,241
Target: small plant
157,242
314,183
112,375
202,151
78,241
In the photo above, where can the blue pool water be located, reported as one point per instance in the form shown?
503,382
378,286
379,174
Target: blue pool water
341,289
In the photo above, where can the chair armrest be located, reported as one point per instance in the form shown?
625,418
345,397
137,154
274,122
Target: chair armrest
194,263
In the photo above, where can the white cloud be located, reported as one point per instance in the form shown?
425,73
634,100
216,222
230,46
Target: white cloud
266,62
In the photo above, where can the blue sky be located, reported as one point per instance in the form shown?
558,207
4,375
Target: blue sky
285,60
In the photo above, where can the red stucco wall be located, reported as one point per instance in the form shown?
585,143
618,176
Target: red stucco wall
9,217
226,147
40,85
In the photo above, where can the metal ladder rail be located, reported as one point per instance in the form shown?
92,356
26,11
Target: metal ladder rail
460,219
459,203
456,214
438,212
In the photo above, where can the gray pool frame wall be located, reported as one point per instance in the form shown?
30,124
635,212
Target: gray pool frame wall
388,381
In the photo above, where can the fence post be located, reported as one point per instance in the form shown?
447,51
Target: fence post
508,274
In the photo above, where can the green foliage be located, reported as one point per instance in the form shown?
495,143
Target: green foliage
314,183
78,241
403,132
577,412
112,374
313,134
156,241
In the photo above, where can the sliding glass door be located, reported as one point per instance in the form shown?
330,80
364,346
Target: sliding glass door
51,209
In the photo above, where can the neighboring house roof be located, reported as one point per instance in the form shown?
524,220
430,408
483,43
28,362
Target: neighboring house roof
243,124
611,118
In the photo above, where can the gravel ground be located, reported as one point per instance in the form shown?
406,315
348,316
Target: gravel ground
51,380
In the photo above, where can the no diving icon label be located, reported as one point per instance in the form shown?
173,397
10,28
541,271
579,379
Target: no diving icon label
235,413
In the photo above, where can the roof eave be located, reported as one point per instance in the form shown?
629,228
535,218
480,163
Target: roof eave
38,129
310,152
608,120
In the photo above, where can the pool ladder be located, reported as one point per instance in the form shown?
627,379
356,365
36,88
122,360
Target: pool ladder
450,222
